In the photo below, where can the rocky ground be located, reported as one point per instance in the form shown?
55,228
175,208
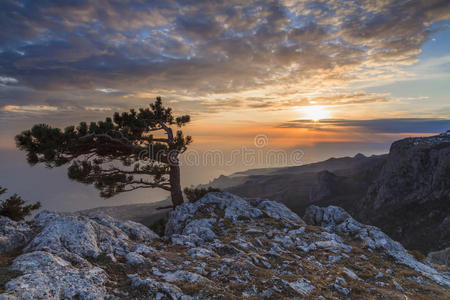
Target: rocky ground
221,247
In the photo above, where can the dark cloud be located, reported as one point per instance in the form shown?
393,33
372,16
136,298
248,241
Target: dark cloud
202,48
398,125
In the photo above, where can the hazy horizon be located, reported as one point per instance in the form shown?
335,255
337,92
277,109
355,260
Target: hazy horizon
62,194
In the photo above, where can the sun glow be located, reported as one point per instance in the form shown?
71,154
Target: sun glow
314,113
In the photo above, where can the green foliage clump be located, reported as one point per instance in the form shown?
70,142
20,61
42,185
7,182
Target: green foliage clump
195,194
14,207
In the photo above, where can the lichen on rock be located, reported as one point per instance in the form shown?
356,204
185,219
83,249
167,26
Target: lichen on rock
222,246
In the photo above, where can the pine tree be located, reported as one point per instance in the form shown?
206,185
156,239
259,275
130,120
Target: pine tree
14,208
120,154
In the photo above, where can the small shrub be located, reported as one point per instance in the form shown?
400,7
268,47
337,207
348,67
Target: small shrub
114,269
417,254
14,208
195,194
103,260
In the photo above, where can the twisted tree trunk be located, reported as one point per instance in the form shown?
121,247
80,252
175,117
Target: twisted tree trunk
175,185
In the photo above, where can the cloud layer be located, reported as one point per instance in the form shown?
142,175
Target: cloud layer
398,125
275,52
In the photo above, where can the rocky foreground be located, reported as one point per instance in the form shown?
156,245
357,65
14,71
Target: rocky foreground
222,246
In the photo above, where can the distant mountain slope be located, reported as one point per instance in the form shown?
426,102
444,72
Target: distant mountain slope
411,197
405,192
332,164
339,181
145,213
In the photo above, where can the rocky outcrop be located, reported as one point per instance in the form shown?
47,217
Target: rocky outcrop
441,257
222,246
336,220
13,235
48,276
410,198
57,260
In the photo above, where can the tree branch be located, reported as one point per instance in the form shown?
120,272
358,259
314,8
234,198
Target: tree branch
149,185
160,140
155,129
127,143
168,131
115,170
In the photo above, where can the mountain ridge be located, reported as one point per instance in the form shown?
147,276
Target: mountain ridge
348,182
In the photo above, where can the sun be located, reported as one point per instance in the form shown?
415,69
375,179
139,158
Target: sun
315,113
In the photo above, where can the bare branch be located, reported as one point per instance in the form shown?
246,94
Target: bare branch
168,130
150,185
127,143
160,140
115,170
156,129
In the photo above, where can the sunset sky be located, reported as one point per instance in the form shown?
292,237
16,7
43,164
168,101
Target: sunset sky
332,78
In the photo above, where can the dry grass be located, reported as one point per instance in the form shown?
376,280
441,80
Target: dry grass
6,274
